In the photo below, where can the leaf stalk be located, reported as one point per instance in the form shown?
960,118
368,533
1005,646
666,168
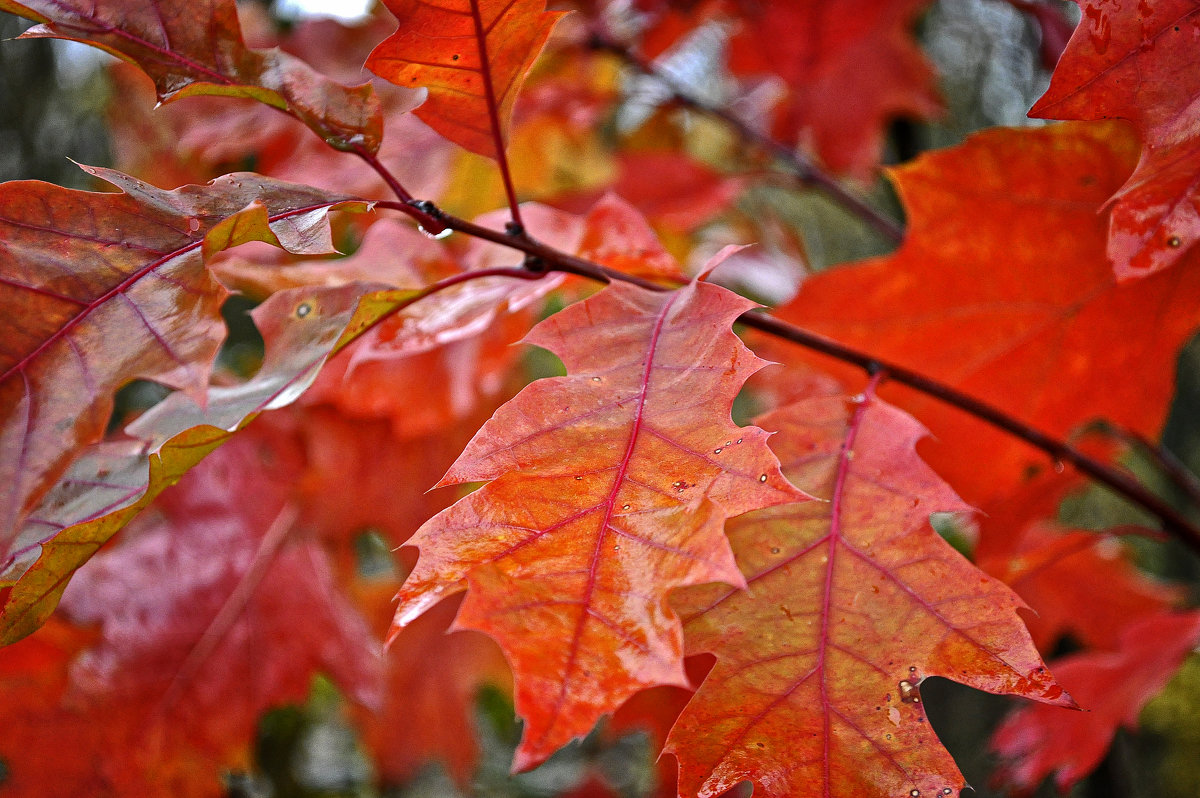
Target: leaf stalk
485,69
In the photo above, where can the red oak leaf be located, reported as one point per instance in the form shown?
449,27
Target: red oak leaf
969,299
608,489
1077,583
1137,61
850,603
472,55
1112,686
617,235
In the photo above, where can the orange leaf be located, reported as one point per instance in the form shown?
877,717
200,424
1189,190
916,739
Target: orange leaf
1001,289
609,488
195,47
1138,62
472,55
850,603
1113,686
1078,583
110,287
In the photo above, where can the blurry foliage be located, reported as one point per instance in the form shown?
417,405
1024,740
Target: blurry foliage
51,103
52,98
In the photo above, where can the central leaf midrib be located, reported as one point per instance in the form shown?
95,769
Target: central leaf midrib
602,534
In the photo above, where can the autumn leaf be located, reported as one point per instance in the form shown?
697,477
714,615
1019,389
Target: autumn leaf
849,68
111,287
1138,62
609,488
851,602
195,47
1001,289
1113,686
115,480
472,55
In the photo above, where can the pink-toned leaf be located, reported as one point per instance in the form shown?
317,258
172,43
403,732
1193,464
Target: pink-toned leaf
1112,686
195,47
472,55
115,480
608,489
850,603
434,679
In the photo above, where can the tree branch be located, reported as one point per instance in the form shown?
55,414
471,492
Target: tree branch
541,258
805,171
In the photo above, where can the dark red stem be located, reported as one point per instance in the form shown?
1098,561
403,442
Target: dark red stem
804,170
485,69
383,172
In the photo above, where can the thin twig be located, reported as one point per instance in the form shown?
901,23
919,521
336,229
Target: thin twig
1171,466
551,259
804,170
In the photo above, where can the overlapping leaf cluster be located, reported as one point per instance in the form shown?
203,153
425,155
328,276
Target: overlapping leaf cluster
611,521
